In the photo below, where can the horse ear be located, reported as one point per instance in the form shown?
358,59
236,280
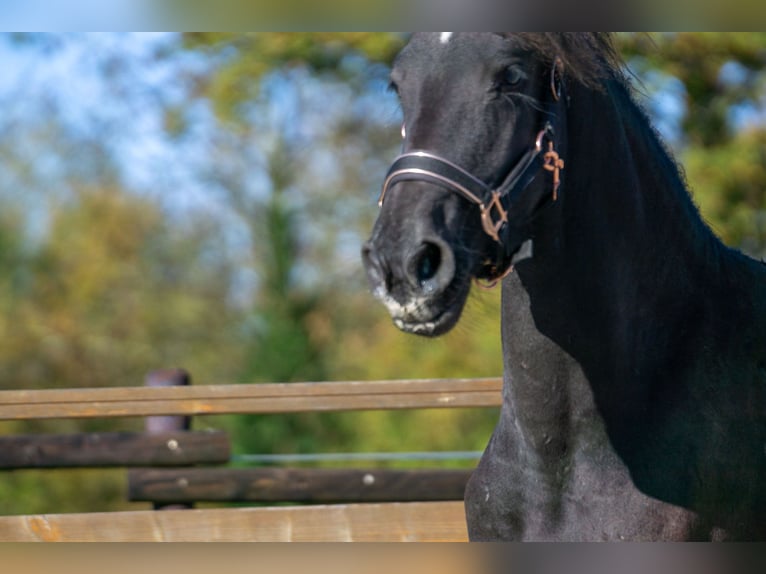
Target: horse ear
557,73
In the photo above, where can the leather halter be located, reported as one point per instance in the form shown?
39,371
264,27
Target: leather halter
494,204
421,165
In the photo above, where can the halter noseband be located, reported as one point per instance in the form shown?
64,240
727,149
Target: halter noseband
421,165
494,204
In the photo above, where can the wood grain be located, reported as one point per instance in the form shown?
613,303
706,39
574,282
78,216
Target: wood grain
114,449
315,485
252,398
389,522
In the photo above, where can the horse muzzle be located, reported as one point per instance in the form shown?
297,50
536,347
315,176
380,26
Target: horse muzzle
416,289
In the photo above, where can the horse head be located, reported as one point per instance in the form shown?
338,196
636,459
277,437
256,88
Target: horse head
483,140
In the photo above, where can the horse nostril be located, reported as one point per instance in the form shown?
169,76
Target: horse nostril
427,263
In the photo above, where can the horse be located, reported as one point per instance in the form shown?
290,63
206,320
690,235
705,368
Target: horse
634,340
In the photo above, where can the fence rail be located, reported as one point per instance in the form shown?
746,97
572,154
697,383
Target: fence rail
324,485
114,449
387,522
369,505
249,399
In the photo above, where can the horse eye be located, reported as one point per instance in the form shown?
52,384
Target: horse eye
512,76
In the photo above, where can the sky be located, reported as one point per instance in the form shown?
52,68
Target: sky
71,15
94,101
91,102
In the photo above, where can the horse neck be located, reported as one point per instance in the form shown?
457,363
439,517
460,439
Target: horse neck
625,214
624,183
623,230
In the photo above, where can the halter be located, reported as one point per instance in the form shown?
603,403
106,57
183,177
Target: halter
421,165
494,204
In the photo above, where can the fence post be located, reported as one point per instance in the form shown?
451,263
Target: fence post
168,423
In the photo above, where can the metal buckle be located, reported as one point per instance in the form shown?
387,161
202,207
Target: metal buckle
492,227
552,162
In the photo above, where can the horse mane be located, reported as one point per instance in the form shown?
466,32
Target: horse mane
592,59
588,57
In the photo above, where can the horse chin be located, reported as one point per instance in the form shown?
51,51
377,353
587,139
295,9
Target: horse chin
433,319
442,323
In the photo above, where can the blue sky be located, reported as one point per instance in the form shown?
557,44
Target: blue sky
89,99
71,15
124,106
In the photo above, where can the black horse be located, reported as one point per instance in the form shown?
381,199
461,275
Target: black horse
634,341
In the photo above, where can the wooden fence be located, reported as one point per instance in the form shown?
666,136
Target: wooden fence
355,504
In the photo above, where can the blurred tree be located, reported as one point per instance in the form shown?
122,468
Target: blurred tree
97,287
118,289
721,81
264,89
244,60
111,291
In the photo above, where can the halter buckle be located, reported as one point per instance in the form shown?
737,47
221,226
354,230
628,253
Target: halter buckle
491,226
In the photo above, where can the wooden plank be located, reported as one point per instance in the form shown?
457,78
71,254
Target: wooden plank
388,522
296,558
114,449
325,485
253,398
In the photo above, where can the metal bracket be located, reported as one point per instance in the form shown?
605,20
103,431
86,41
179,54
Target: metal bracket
492,227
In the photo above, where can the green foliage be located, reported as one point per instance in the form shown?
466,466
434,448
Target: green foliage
729,183
241,61
111,289
51,491
696,60
723,78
